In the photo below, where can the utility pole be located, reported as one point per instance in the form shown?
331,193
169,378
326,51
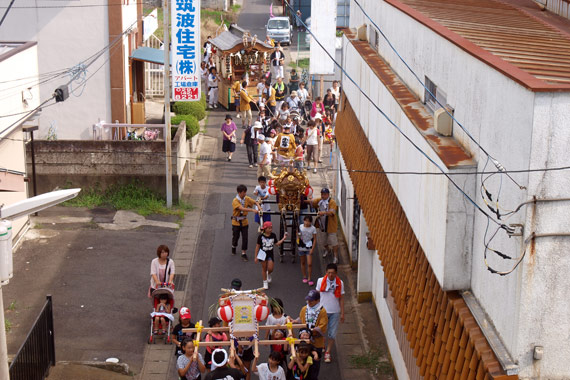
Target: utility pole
167,132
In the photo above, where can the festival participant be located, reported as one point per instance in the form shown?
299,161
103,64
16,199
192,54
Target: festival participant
326,222
293,81
302,365
299,155
178,336
265,156
318,107
207,49
294,102
318,119
277,59
244,106
280,92
213,337
213,81
311,139
249,137
229,131
329,100
277,316
315,317
303,93
262,193
306,247
285,144
236,87
190,368
336,92
270,370
266,241
331,288
221,371
260,99
270,102
241,206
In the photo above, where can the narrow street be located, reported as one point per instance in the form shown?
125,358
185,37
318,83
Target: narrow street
214,266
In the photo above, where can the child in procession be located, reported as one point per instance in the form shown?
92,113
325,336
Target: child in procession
270,370
306,247
262,193
266,241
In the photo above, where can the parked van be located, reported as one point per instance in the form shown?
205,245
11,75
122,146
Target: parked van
279,29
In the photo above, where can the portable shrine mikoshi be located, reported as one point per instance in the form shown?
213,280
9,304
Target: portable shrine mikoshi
288,185
243,310
238,53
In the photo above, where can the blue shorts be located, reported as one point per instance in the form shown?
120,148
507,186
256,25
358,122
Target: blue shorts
301,252
266,218
333,324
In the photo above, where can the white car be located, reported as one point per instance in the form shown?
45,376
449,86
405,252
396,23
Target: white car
279,29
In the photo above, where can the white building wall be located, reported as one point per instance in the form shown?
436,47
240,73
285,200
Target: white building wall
424,199
545,307
66,37
526,306
12,151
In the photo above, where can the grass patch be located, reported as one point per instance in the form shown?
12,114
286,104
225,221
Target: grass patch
133,196
300,64
374,361
236,7
7,325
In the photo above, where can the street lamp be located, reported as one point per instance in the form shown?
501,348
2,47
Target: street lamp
8,213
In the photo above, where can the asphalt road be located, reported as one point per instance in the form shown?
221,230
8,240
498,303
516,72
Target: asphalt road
98,280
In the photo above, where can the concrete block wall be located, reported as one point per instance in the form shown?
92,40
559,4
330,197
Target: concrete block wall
90,164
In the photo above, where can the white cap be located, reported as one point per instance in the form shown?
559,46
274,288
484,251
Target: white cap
257,124
261,137
318,116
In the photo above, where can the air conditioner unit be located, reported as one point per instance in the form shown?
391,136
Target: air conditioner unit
361,33
442,122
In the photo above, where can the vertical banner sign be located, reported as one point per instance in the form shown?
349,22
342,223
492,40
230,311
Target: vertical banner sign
186,52
323,26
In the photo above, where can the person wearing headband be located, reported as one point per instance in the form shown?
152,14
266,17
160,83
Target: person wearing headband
221,369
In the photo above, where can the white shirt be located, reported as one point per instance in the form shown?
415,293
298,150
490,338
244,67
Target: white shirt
306,235
212,80
303,94
262,193
312,136
265,373
328,299
260,87
265,149
336,94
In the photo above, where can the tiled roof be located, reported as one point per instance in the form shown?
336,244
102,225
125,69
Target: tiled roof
522,46
441,331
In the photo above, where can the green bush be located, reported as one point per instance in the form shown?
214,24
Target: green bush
196,109
192,125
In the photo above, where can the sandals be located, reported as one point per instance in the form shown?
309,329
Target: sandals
311,283
305,280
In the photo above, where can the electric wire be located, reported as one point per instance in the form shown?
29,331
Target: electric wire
465,195
495,161
92,59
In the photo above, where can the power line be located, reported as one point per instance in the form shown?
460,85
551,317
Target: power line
395,125
6,13
74,6
495,161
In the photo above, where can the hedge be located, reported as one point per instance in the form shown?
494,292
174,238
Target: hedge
196,109
192,125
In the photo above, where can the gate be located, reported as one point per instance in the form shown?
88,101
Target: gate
154,73
37,353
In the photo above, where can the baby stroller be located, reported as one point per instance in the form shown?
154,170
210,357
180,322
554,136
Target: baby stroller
308,107
163,290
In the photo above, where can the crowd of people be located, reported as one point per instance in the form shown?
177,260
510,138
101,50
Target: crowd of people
293,125
321,315
288,130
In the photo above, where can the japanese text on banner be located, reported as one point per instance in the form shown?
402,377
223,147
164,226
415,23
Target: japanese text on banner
186,52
